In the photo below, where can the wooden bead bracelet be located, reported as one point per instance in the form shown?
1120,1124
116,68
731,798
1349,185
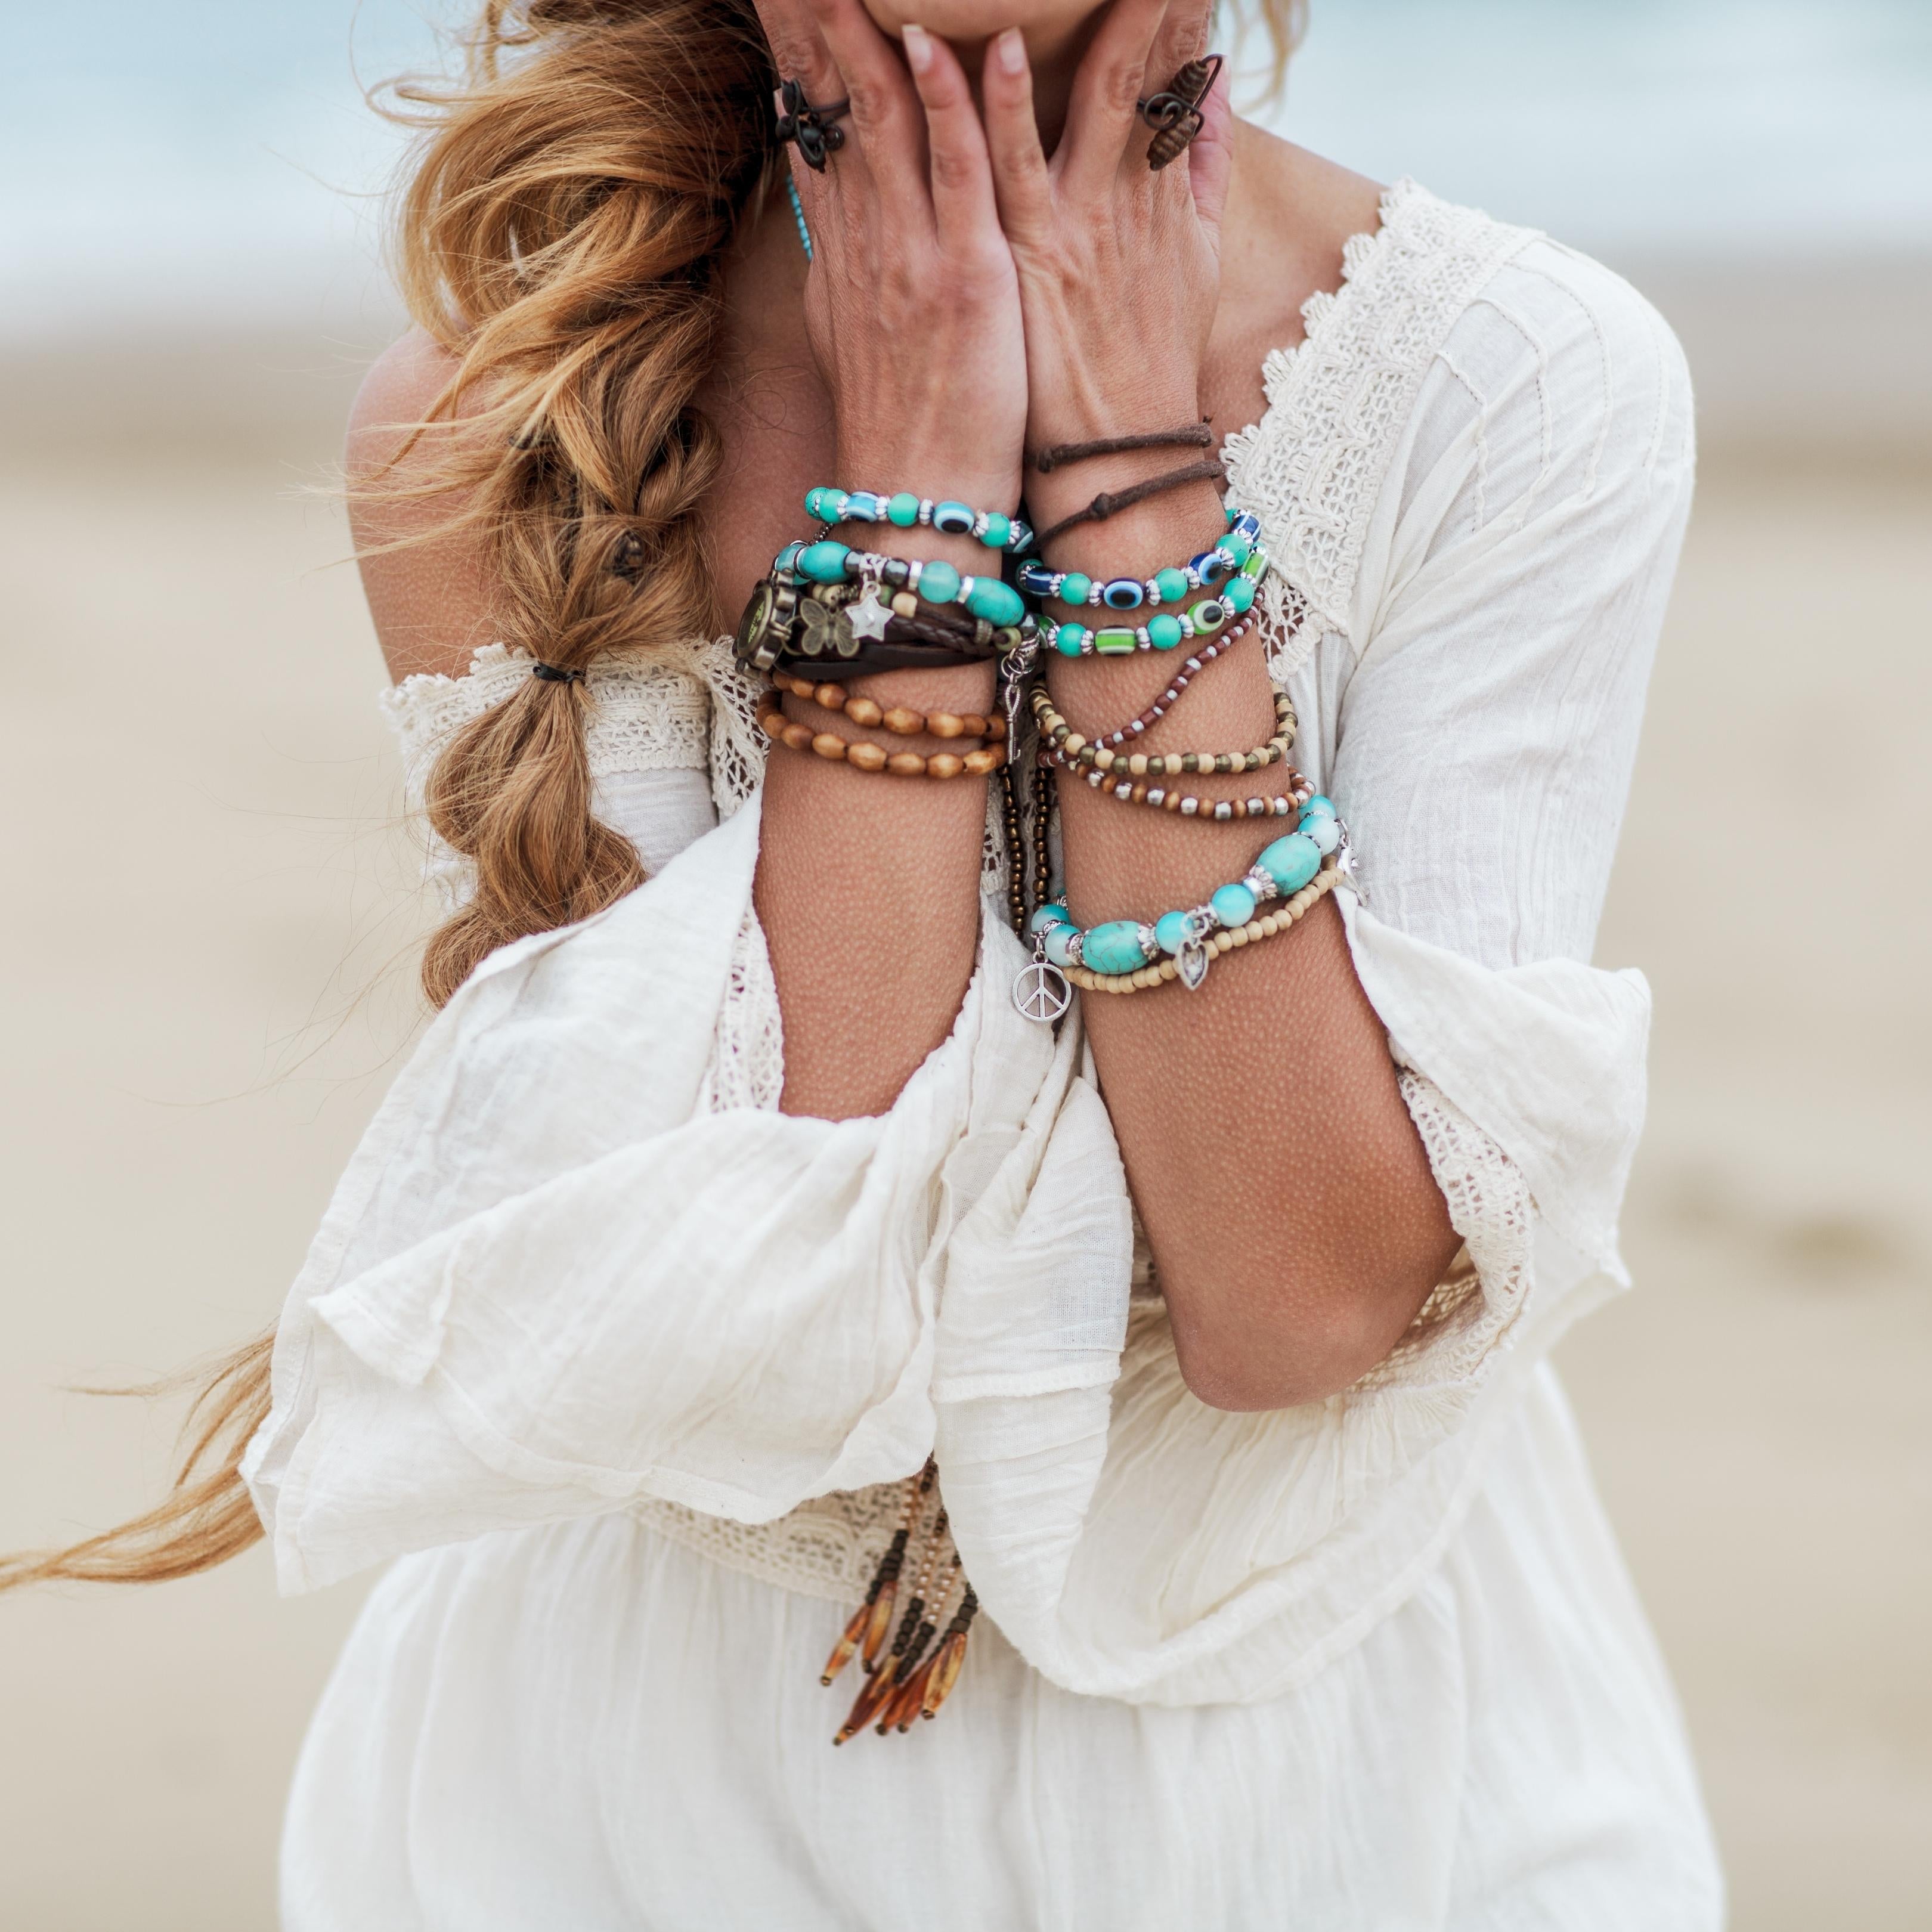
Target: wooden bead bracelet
899,722
1066,748
863,756
1166,971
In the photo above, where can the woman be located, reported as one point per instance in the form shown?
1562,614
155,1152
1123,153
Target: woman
747,1282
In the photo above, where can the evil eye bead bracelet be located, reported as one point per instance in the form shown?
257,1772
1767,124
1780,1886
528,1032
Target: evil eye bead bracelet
939,582
1166,630
828,505
1174,585
1129,956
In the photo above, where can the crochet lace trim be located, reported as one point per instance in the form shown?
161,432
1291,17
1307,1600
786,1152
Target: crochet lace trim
1339,400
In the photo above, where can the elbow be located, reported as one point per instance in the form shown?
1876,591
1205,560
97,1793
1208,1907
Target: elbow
1312,1346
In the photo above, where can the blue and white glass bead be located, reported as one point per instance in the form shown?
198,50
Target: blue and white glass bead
997,531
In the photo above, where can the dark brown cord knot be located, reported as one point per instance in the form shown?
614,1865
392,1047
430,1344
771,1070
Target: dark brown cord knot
555,674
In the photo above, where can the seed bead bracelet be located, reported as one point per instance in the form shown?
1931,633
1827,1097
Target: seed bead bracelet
1171,586
1218,811
828,505
936,582
899,722
1065,747
1187,940
863,756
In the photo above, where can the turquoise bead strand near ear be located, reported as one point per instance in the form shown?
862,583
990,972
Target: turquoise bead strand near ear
826,504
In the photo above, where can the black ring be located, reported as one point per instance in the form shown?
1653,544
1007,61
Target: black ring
555,674
811,128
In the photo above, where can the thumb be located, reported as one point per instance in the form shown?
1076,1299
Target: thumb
1210,156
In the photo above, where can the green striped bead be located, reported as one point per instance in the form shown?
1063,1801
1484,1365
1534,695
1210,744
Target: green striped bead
1114,640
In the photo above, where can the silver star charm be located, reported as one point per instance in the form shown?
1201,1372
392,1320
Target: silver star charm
1348,866
866,614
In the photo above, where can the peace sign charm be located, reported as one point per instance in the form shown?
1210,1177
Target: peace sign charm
1041,992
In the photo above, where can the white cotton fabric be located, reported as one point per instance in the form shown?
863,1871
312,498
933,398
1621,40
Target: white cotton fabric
614,1356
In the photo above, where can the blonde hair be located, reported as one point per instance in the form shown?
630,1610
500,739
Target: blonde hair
562,235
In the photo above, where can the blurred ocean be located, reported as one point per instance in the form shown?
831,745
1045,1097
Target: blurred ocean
166,166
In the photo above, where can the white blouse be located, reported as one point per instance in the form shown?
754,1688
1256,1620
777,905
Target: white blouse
625,1366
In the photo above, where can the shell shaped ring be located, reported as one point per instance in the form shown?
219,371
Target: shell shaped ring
813,129
1175,113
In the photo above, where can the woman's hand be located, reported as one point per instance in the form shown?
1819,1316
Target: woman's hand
1119,265
912,305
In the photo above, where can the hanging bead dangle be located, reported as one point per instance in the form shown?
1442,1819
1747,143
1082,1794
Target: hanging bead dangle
912,1677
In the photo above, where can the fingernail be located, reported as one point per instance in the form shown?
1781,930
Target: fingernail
918,47
1012,51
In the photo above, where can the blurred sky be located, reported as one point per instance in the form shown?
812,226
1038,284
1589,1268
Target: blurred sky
211,161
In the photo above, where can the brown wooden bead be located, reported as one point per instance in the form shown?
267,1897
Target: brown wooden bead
799,737
829,696
903,724
943,724
863,712
944,765
981,762
829,745
906,765
868,756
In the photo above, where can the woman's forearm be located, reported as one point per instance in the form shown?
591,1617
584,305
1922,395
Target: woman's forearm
1294,1220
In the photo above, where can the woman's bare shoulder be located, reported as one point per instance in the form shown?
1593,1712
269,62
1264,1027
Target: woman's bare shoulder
428,595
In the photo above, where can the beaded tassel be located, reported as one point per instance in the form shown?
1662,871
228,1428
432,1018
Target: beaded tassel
873,1618
951,1654
876,1696
899,1714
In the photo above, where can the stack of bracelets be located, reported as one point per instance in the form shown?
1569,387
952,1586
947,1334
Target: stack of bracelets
830,612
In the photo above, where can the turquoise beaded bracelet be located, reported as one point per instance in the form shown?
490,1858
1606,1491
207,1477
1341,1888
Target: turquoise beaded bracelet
1122,947
1171,586
829,505
939,582
1166,631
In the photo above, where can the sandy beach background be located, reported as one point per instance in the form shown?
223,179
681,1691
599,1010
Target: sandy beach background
208,979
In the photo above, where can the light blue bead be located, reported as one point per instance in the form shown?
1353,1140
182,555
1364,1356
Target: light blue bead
1170,932
1236,545
998,603
1068,638
939,582
1290,862
1163,632
1322,808
1122,593
1114,947
864,506
786,559
1053,914
904,509
1210,566
953,520
1323,833
1074,587
1239,596
1172,584
824,562
998,530
1233,905
825,505
1059,945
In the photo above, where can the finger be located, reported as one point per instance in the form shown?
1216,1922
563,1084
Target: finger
1183,37
885,117
799,53
962,180
1101,115
1211,160
1021,181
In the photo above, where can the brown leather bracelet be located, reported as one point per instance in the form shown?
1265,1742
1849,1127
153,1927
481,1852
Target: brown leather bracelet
1057,456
